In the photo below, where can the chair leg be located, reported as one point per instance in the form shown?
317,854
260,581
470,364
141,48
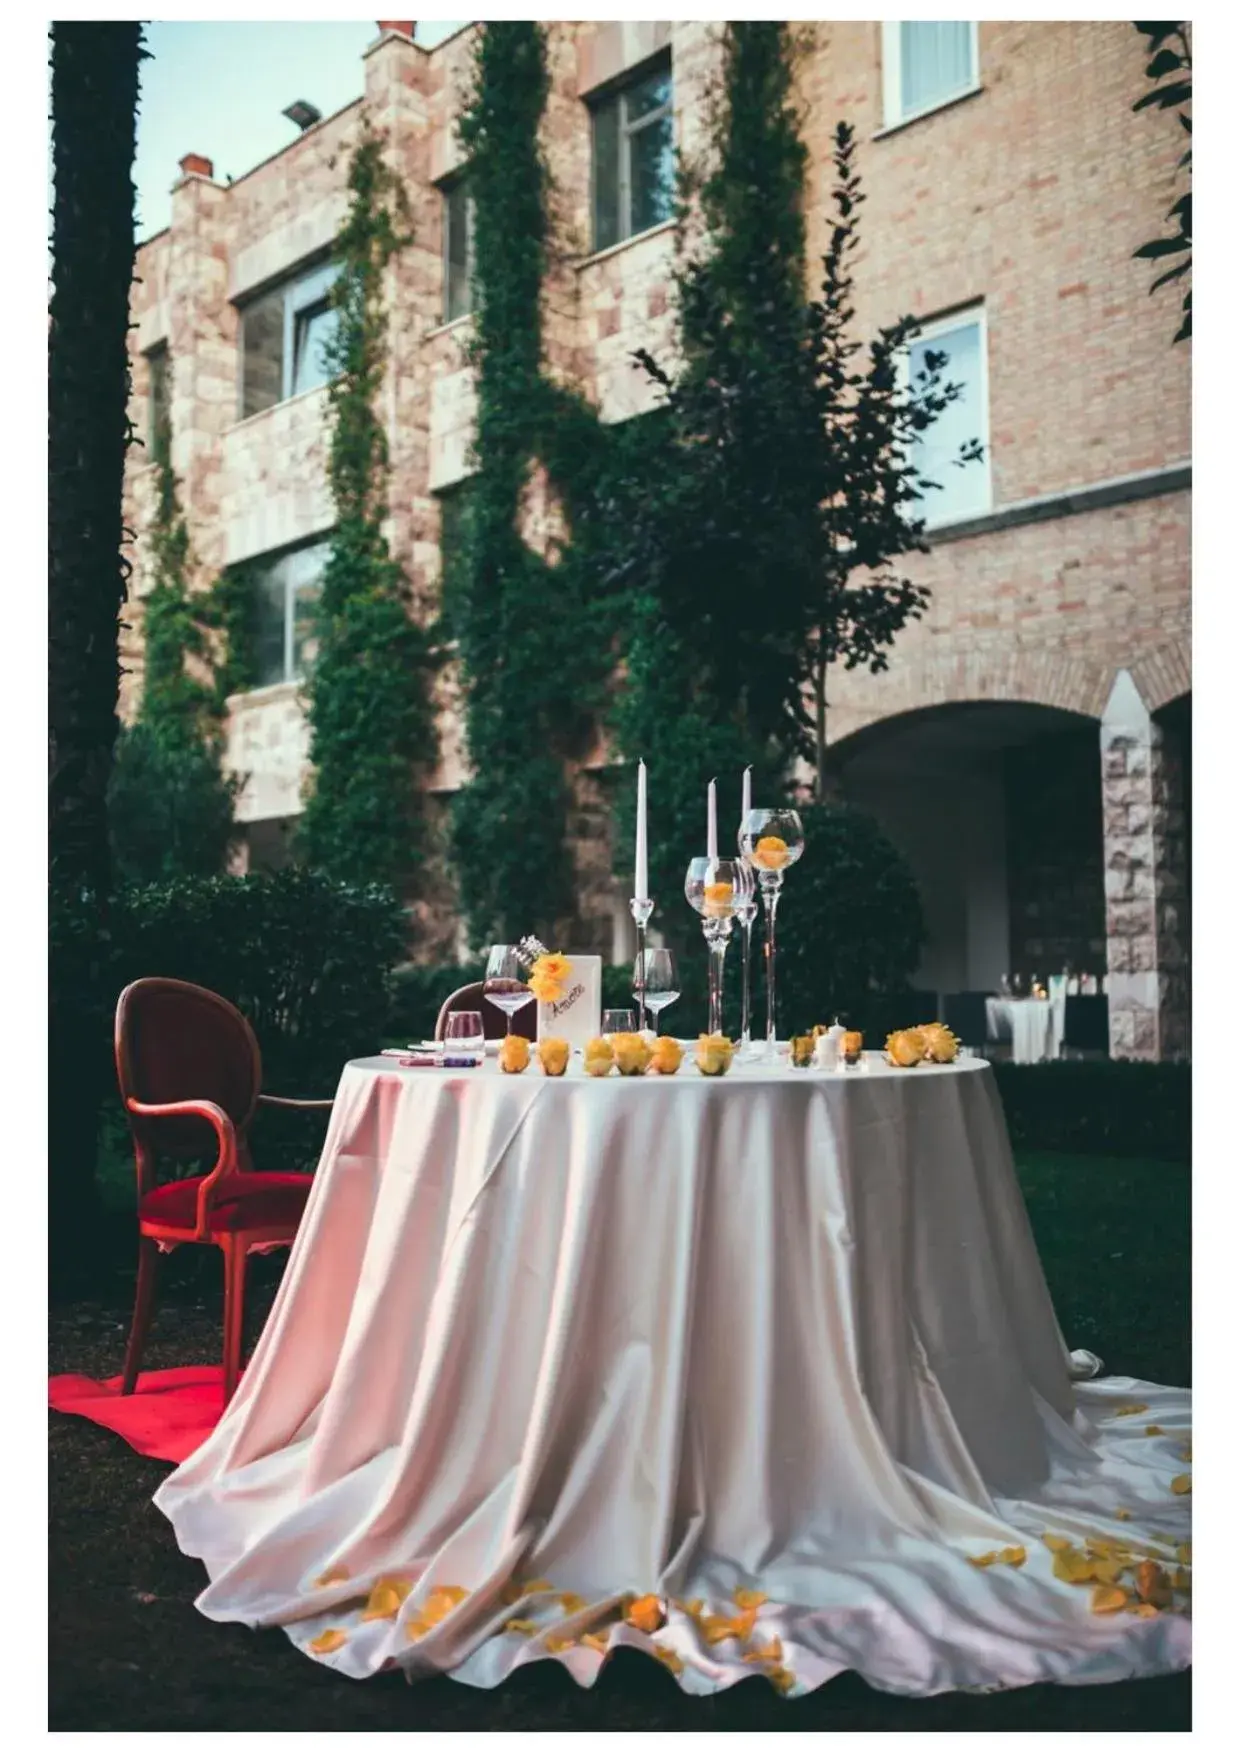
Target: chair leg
143,1303
234,1311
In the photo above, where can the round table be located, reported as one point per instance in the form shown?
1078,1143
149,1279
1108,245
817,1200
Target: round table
775,1349
1034,1027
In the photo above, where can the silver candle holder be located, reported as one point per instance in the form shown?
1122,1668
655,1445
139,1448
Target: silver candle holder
641,912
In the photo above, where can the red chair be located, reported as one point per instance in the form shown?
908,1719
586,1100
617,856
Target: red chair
190,1076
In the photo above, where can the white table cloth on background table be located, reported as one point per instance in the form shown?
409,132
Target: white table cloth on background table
1034,1027
781,1331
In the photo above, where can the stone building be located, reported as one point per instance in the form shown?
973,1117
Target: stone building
1030,745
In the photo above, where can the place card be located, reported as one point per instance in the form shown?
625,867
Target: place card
577,1016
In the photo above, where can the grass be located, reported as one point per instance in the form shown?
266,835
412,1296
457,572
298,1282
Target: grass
129,1652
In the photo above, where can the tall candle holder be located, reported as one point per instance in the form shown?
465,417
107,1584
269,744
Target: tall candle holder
641,911
714,887
771,841
746,913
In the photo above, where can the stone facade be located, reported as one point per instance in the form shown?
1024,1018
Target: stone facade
1025,198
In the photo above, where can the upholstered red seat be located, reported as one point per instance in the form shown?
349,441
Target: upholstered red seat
242,1202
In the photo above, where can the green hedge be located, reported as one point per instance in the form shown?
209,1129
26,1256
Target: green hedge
1099,1107
308,960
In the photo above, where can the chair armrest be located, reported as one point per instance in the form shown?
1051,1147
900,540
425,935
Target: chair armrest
225,1131
295,1102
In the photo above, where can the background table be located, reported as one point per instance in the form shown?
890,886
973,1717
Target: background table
782,1332
1034,1027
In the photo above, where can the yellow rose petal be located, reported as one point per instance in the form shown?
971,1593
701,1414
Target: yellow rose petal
1013,1555
526,1627
669,1659
573,1603
555,1645
597,1640
1153,1430
1182,1485
328,1641
417,1627
782,1679
646,1613
694,1608
717,1629
1129,1411
769,1652
749,1598
386,1598
1057,1542
1109,1600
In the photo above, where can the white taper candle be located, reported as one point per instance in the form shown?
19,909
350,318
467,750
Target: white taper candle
641,879
711,823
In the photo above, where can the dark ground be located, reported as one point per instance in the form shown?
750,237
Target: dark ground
128,1651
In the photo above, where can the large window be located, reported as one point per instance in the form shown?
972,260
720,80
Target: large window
285,614
457,251
284,338
634,157
158,397
453,535
963,489
925,65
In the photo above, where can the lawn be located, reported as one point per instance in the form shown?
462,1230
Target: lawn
129,1652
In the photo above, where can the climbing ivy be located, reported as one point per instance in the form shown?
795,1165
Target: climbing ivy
170,804
371,722
532,632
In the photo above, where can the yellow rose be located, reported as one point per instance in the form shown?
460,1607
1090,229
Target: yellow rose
665,1056
906,1047
853,1044
940,1044
718,900
553,1056
770,853
802,1050
598,1057
513,1053
632,1054
714,1055
548,977
646,1613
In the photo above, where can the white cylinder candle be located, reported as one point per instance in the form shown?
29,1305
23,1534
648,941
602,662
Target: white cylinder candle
641,879
711,822
746,794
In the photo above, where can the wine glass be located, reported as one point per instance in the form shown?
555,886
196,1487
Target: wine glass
714,886
618,1022
656,977
503,984
464,1036
771,841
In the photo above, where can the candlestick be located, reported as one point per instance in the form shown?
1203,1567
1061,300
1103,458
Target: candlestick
711,822
641,882
640,907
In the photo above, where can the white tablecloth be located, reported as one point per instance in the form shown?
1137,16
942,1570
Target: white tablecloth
784,1332
1034,1026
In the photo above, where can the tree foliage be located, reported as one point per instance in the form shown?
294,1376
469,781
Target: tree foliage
1170,70
371,721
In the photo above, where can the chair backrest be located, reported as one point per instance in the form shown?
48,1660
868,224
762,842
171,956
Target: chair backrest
1086,1022
964,1013
494,1021
176,1042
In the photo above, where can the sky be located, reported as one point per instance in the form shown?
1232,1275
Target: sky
218,89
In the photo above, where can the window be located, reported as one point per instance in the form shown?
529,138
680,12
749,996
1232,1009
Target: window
634,157
962,490
453,534
457,251
284,338
158,397
285,614
924,65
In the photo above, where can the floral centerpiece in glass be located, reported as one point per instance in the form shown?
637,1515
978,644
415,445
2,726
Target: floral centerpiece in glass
713,887
771,841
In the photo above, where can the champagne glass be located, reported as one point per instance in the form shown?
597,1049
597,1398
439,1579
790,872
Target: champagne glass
771,842
713,886
503,984
657,978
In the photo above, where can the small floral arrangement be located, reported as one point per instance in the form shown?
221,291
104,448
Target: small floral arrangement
719,899
632,1054
770,853
714,1055
906,1047
801,1050
941,1045
553,1055
549,976
599,1058
665,1057
513,1054
853,1045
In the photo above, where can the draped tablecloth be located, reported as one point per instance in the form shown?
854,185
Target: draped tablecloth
1034,1026
774,1348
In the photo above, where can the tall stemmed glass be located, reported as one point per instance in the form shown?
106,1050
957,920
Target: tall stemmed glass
713,886
503,984
771,841
657,979
746,913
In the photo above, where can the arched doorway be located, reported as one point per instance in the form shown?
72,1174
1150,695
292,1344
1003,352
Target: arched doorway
998,806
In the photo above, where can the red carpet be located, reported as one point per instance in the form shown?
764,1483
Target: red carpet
171,1413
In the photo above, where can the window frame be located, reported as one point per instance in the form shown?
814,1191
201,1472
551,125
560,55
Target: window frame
267,563
616,91
450,187
893,113
158,359
931,331
299,291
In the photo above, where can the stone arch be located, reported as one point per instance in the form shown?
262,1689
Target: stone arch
1164,674
1070,682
